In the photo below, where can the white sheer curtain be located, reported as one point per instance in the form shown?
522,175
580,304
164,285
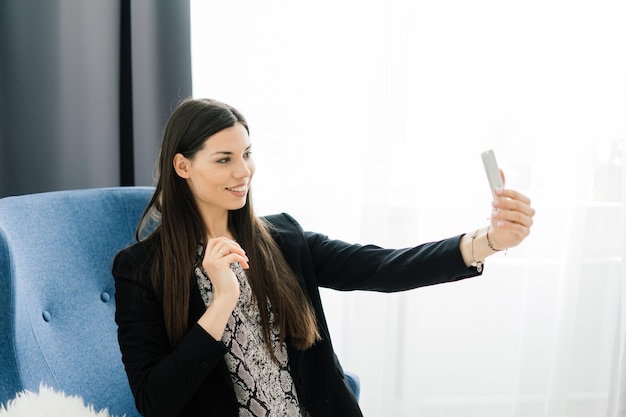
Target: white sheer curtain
368,119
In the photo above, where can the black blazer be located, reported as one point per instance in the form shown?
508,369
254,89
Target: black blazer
192,379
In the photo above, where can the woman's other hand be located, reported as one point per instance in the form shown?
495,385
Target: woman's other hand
511,219
220,253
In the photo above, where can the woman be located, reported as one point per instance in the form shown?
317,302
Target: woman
218,310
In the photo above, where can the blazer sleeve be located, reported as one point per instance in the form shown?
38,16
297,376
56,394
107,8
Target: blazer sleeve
162,379
345,266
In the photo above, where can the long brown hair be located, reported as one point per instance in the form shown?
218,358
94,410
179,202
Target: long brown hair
180,229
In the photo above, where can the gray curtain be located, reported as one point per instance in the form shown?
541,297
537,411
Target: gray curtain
86,88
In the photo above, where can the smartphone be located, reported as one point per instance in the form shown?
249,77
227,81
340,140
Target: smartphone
492,171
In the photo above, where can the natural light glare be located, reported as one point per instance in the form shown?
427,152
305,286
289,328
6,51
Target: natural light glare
367,123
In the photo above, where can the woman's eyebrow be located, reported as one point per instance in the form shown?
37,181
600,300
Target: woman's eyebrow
229,152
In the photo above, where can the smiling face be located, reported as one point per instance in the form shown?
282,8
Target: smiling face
219,174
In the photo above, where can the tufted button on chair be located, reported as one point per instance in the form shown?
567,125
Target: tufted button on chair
57,293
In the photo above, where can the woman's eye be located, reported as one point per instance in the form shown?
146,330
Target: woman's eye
223,160
247,154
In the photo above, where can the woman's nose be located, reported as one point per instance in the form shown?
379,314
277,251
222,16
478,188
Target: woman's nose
242,170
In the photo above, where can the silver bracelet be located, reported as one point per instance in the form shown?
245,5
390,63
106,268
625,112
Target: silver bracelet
490,244
476,264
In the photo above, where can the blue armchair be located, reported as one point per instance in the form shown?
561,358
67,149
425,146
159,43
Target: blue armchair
57,293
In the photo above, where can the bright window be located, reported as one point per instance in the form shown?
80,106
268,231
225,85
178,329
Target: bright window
367,122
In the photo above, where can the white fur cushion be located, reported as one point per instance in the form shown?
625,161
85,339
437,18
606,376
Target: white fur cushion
49,403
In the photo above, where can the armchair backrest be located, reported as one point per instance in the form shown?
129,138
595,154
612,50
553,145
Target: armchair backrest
57,300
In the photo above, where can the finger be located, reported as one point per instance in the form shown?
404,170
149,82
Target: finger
229,250
506,224
512,216
225,260
235,257
512,194
216,243
503,204
223,246
232,247
513,200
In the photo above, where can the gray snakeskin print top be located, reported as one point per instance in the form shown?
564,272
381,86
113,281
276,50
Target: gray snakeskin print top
263,387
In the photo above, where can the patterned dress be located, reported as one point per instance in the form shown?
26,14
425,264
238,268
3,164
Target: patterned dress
263,387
